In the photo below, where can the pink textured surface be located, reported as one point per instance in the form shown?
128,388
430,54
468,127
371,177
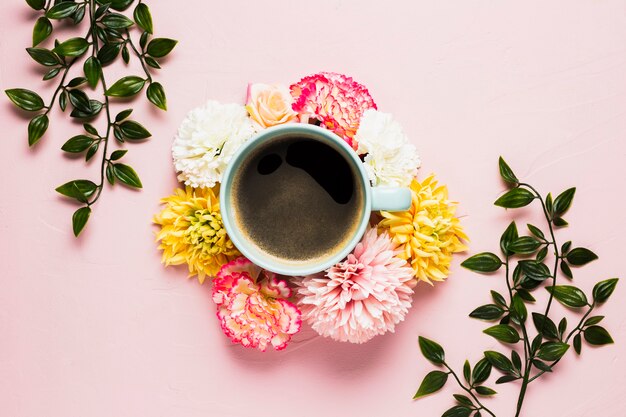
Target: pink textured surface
96,327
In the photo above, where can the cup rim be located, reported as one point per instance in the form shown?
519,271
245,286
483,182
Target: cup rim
241,243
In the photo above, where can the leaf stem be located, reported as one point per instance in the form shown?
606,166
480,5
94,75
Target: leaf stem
139,55
107,136
469,391
576,330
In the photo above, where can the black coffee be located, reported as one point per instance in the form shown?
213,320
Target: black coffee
297,199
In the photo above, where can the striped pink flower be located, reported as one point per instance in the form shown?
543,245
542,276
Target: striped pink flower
365,295
252,306
336,100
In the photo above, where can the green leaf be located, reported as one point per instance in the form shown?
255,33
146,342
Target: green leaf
134,131
482,370
123,115
109,52
581,256
577,344
143,40
499,361
519,308
41,31
432,350
96,107
562,326
36,4
110,175
463,400
51,74
119,5
536,231
542,366
603,290
79,14
515,198
77,82
77,144
509,235
160,47
93,149
549,204
483,262
72,47
61,10
545,326
593,320
433,382
563,202
90,129
458,411
506,378
534,270
498,298
127,175
598,336
526,296
118,154
126,87
559,222
566,247
568,295
516,360
536,343
524,245
93,71
507,173
116,21
25,99
143,18
81,190
487,312
566,270
125,54
503,333
485,391
467,371
541,255
36,128
63,100
552,351
79,219
79,100
152,62
156,95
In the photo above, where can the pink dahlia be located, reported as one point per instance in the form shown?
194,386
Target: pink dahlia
252,306
365,295
336,100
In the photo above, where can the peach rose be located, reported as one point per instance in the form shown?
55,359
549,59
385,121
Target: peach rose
269,105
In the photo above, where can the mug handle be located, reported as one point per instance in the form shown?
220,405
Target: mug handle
390,199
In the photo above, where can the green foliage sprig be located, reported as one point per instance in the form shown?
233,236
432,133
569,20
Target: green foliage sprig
524,260
108,36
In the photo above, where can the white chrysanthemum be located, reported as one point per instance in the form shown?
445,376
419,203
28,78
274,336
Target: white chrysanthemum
207,140
391,160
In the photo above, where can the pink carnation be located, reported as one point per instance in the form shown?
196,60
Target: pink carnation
336,100
252,306
365,295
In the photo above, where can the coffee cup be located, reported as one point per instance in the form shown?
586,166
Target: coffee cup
296,199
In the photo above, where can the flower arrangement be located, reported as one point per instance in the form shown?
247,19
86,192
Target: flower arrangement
366,294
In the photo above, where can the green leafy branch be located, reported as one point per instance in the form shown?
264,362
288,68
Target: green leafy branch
524,260
108,37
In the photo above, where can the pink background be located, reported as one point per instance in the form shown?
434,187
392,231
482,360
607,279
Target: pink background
97,327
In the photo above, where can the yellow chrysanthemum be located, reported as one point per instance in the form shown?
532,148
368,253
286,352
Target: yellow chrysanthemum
428,233
192,232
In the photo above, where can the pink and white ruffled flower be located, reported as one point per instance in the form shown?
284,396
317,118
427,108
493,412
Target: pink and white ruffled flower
336,100
252,306
365,295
